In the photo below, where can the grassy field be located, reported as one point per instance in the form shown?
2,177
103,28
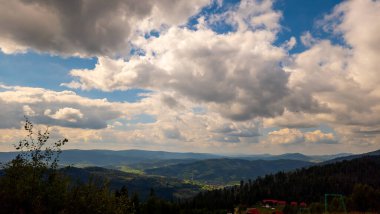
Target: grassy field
128,169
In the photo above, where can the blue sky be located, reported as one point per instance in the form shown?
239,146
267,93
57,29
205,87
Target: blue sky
49,71
208,76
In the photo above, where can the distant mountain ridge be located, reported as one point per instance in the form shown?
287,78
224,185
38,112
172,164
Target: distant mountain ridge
294,156
111,157
108,157
351,157
127,157
178,175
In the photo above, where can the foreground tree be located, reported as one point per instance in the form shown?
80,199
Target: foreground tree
30,181
33,183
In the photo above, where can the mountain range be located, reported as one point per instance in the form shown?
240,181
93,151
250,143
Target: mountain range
225,170
111,157
180,175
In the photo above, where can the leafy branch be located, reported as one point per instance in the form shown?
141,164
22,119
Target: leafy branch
36,148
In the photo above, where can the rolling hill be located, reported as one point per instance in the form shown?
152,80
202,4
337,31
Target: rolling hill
142,159
294,156
110,157
223,171
166,188
351,157
357,179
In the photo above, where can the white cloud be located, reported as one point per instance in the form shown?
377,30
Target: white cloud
210,90
257,15
285,136
237,74
67,113
86,27
49,107
295,136
28,111
341,81
288,45
319,137
307,39
94,121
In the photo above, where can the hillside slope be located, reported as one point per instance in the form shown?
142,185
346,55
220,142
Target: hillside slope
223,171
166,188
351,157
309,185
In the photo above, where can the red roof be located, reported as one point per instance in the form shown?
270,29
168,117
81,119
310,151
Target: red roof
293,203
281,202
303,204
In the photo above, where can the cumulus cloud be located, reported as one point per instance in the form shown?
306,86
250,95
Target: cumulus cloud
67,113
48,107
208,88
295,136
288,45
237,74
233,129
96,121
340,80
85,27
318,136
28,111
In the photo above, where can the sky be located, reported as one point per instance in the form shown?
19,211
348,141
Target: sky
215,76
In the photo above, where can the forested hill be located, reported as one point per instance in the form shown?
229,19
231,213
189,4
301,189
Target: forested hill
308,185
351,157
223,171
165,188
142,159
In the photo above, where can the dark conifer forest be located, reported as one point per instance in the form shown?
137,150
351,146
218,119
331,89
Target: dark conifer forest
358,180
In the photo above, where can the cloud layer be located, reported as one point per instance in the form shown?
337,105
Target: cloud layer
85,27
48,107
238,88
237,74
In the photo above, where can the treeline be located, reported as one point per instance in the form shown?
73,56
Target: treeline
358,180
